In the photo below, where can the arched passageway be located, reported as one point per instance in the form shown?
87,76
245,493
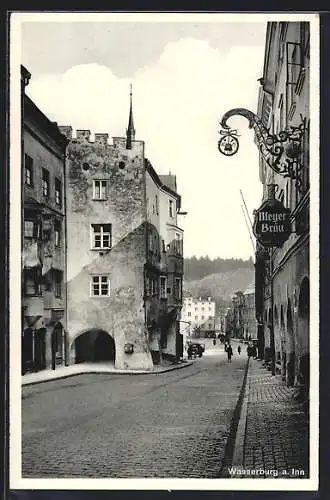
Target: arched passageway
303,333
94,345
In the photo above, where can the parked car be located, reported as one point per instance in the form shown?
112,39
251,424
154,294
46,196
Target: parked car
195,349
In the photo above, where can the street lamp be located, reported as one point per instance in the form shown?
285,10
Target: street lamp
283,153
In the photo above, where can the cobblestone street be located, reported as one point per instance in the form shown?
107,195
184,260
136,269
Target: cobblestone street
174,424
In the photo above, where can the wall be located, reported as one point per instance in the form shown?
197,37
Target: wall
121,314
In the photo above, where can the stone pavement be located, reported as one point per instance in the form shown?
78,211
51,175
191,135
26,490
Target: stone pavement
96,367
272,439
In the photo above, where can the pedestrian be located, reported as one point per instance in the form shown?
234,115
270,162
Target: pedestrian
250,351
214,341
229,353
239,349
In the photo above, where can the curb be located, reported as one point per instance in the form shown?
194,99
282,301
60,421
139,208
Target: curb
238,455
104,372
234,450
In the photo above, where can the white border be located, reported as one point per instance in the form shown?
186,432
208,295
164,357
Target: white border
16,481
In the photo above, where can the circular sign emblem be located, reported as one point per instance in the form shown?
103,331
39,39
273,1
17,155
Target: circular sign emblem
228,145
272,226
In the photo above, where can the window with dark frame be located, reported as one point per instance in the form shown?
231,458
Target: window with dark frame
58,192
28,162
177,288
163,287
99,189
58,283
170,208
45,182
101,236
100,286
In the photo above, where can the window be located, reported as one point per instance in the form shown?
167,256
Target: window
57,227
210,317
157,205
170,208
178,288
45,182
58,192
154,285
196,318
31,282
99,190
31,229
202,317
189,313
28,170
100,286
178,244
58,283
210,326
101,236
28,229
163,286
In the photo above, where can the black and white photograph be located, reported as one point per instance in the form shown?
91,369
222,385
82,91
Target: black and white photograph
164,262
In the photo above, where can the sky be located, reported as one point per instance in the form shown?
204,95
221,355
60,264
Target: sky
186,73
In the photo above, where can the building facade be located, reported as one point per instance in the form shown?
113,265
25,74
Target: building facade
249,315
282,274
235,316
43,239
124,252
199,314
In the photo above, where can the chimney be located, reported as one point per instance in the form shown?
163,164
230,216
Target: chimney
66,130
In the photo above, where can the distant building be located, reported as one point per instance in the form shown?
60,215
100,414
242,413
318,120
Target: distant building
249,314
125,253
235,316
200,315
43,239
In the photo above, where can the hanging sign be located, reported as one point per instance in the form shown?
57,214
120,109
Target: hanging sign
272,226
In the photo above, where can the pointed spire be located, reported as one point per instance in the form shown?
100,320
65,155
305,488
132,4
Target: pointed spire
130,132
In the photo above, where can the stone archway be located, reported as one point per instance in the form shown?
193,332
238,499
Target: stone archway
94,345
290,345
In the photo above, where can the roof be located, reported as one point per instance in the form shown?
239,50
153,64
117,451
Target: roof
159,180
169,181
34,113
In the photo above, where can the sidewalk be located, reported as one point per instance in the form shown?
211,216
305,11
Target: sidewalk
101,367
272,435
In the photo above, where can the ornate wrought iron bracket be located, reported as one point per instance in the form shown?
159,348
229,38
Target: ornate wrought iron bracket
282,152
